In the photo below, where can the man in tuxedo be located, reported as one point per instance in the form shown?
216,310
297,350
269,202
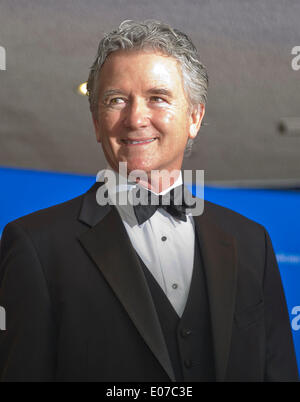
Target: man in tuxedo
99,291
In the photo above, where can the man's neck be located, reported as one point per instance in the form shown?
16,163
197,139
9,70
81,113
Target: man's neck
157,181
161,181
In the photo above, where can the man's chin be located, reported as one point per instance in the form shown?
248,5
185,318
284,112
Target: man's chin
139,165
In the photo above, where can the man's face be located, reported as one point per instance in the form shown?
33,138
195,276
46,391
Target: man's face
143,113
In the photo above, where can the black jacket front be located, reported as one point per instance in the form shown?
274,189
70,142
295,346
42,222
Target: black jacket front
78,307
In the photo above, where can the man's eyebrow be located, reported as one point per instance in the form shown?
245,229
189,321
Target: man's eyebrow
160,91
154,91
110,92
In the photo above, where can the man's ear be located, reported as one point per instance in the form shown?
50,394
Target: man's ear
96,127
196,116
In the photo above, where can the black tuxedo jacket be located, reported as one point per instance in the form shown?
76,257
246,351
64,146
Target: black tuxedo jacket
78,307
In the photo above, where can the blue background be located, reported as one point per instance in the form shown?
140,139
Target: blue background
25,191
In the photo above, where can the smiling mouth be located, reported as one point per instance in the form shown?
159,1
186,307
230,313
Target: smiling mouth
138,142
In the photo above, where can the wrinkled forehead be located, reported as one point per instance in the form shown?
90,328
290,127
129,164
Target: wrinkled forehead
141,65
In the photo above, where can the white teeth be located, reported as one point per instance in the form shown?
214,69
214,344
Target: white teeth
139,142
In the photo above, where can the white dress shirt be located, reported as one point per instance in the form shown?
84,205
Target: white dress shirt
165,245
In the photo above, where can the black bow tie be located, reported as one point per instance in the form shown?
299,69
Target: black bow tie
173,202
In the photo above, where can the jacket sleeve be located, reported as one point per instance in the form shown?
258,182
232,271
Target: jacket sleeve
27,351
281,362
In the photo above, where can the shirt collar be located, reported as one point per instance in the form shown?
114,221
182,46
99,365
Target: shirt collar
126,211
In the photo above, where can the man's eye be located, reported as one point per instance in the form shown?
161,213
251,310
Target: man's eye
116,101
157,99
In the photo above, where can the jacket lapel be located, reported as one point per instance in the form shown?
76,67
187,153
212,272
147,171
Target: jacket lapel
108,244
218,251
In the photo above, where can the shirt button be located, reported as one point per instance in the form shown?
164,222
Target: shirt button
185,333
187,363
174,286
164,238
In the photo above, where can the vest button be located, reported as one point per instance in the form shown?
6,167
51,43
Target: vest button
187,363
185,333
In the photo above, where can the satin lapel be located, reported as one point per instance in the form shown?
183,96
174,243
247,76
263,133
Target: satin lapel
218,251
108,244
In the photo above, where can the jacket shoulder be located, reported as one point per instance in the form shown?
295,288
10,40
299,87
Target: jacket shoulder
55,216
231,221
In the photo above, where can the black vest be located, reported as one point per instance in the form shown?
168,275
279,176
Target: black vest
189,338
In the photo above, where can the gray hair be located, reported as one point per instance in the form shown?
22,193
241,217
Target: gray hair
151,34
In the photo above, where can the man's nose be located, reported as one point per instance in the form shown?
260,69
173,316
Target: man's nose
136,114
